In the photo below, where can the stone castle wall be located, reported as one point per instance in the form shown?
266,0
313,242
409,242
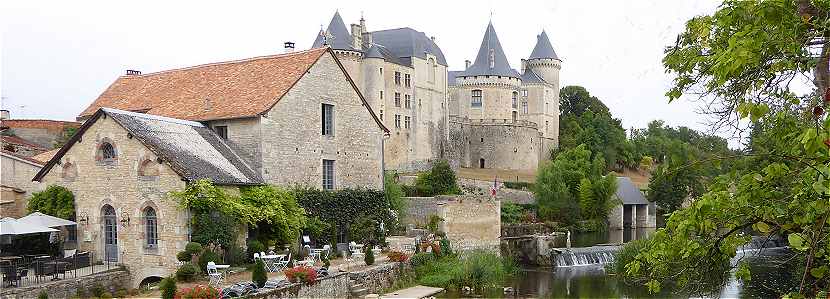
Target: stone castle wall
111,281
471,222
501,143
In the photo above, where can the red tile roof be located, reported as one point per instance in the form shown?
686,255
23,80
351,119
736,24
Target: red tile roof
28,159
20,141
55,125
223,90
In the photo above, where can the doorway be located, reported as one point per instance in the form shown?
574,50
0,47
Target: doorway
110,234
481,163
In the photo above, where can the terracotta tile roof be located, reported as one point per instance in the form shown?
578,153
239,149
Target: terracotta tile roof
27,159
45,156
56,125
20,141
223,90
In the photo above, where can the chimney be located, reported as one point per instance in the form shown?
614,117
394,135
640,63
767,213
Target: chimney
133,72
5,114
432,38
466,64
357,36
524,65
289,47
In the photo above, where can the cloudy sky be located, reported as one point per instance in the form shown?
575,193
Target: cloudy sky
56,57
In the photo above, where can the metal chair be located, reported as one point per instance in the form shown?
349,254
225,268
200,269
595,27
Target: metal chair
282,263
214,275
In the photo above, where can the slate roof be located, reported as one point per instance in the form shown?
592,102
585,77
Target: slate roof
189,148
543,48
223,90
379,51
629,193
481,66
451,75
530,76
340,38
406,43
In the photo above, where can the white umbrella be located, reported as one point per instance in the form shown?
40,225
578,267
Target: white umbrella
10,226
38,218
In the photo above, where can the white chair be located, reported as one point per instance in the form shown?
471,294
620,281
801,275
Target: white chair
214,275
356,251
281,264
256,256
326,250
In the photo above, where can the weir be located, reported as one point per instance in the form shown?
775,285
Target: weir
584,256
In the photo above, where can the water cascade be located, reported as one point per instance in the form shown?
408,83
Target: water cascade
584,256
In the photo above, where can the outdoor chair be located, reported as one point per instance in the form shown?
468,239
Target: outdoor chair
281,264
214,275
356,251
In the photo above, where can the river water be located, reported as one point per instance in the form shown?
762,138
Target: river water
771,268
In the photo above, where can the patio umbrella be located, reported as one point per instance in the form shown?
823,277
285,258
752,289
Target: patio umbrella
41,219
10,226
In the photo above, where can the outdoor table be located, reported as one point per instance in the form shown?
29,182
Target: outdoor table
270,259
223,269
307,263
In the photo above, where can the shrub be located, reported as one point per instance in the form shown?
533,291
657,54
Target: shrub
255,246
42,295
397,256
446,249
199,292
434,223
184,256
440,180
301,274
366,231
420,259
625,255
81,292
258,275
186,272
106,295
478,270
369,256
55,201
207,256
235,256
326,262
98,290
121,293
519,185
193,247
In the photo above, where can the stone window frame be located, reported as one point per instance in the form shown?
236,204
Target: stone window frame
524,107
476,98
397,99
431,65
407,101
327,119
145,246
407,80
515,99
142,167
397,78
406,122
70,167
397,121
106,147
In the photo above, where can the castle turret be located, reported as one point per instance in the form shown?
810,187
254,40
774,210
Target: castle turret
345,46
543,61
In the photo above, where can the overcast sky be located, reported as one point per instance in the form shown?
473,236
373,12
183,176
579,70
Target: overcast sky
56,57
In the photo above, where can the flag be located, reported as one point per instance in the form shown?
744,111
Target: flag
495,187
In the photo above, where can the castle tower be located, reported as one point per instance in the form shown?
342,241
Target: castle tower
543,61
337,37
486,89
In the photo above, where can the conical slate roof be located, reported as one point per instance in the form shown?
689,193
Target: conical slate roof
339,36
543,48
490,49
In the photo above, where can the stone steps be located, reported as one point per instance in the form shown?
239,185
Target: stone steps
357,290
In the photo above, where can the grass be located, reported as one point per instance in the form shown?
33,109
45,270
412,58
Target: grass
479,270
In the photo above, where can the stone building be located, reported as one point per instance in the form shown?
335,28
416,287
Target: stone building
38,134
16,174
502,118
403,75
297,117
120,167
633,210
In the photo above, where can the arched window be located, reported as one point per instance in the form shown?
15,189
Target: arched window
475,98
151,227
69,172
515,100
148,169
106,153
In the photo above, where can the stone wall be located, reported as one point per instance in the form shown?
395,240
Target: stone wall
334,286
501,143
379,277
525,229
471,222
292,144
111,281
118,185
244,137
418,210
504,194
16,176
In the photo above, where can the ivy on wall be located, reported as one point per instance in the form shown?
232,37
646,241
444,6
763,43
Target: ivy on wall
345,207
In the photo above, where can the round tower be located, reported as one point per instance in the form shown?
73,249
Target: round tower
544,62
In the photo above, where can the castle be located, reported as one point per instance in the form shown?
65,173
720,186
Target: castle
486,116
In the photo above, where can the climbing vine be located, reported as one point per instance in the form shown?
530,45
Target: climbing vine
344,207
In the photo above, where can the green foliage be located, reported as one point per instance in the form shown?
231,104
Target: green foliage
446,248
319,230
106,295
168,288
625,255
326,261
254,246
511,213
97,290
478,270
121,293
434,223
519,185
42,295
183,256
189,250
369,256
236,256
54,201
273,211
258,275
421,258
584,119
66,134
366,231
440,180
394,194
186,272
208,256
574,186
343,207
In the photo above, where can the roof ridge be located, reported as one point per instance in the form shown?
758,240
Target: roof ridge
154,117
40,119
321,49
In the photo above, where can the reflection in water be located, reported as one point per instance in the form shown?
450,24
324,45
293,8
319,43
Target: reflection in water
610,237
772,275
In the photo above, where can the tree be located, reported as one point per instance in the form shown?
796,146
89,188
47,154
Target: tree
54,201
743,60
584,119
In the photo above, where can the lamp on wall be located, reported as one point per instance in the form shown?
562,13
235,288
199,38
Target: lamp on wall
125,219
83,219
